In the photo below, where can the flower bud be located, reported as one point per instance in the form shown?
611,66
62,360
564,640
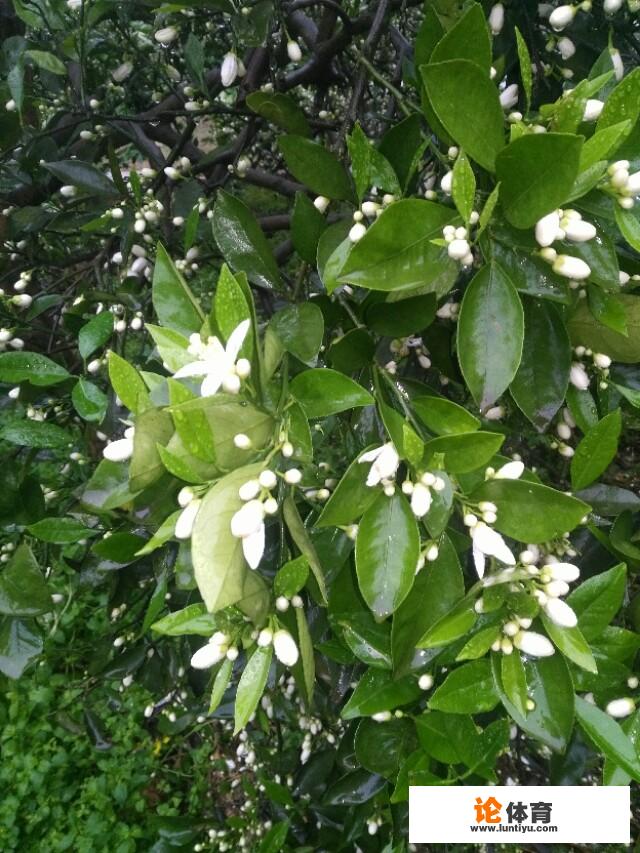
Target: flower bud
321,203
166,35
592,109
249,490
171,172
458,249
293,51
285,647
229,69
207,656
509,97
560,613
446,183
282,603
510,471
534,645
579,377
242,441
496,18
620,707
122,72
612,6
119,451
243,368
578,231
265,637
601,360
562,17
547,229
293,476
185,496
566,47
267,479
186,520
569,267
247,519
425,682
357,232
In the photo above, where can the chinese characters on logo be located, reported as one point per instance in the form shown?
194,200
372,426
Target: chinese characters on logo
490,811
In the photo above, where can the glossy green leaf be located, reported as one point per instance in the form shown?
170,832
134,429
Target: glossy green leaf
603,143
326,392
629,226
549,686
173,301
387,550
230,308
540,384
597,600
514,680
60,531
467,103
39,434
303,540
23,591
464,452
572,644
608,737
220,684
350,498
402,318
468,689
251,685
83,175
368,166
463,186
596,450
89,401
451,626
378,691
95,333
585,329
280,110
468,39
127,383
444,417
490,335
153,427
536,174
316,167
30,367
193,619
307,225
531,512
20,643
612,774
218,561
300,329
623,104
397,253
380,747
242,242
524,59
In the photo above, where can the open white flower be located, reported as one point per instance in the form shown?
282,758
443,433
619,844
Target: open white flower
285,647
487,542
248,525
385,461
216,363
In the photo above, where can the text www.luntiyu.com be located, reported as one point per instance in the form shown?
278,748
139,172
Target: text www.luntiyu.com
512,828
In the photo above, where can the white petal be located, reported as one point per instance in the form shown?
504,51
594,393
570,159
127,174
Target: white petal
492,544
118,451
560,613
371,455
247,519
186,520
479,560
194,368
387,462
207,656
510,471
236,339
210,384
253,547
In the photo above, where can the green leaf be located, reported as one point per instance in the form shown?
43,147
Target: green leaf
608,737
531,512
251,685
453,625
89,401
524,58
173,301
488,209
597,600
490,334
369,167
464,452
611,773
127,383
47,61
381,747
585,329
60,531
172,347
30,367
378,691
153,427
95,333
536,174
316,167
572,644
307,225
84,176
436,589
23,591
396,253
444,417
623,104
467,103
463,186
306,663
480,643
242,242
629,226
20,643
550,687
403,146
351,497
468,39
280,110
230,308
596,451
218,562
300,536
36,434
387,550
322,392
220,684
602,144
291,577
108,487
540,384
300,329
514,680
193,619
468,689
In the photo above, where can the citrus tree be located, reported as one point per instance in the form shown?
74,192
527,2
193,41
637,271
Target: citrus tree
320,362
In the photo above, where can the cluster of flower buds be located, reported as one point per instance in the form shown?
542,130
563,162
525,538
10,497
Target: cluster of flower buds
578,375
284,645
7,338
420,492
511,629
563,225
458,247
564,431
622,185
121,449
218,648
247,524
368,210
553,581
175,172
384,465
